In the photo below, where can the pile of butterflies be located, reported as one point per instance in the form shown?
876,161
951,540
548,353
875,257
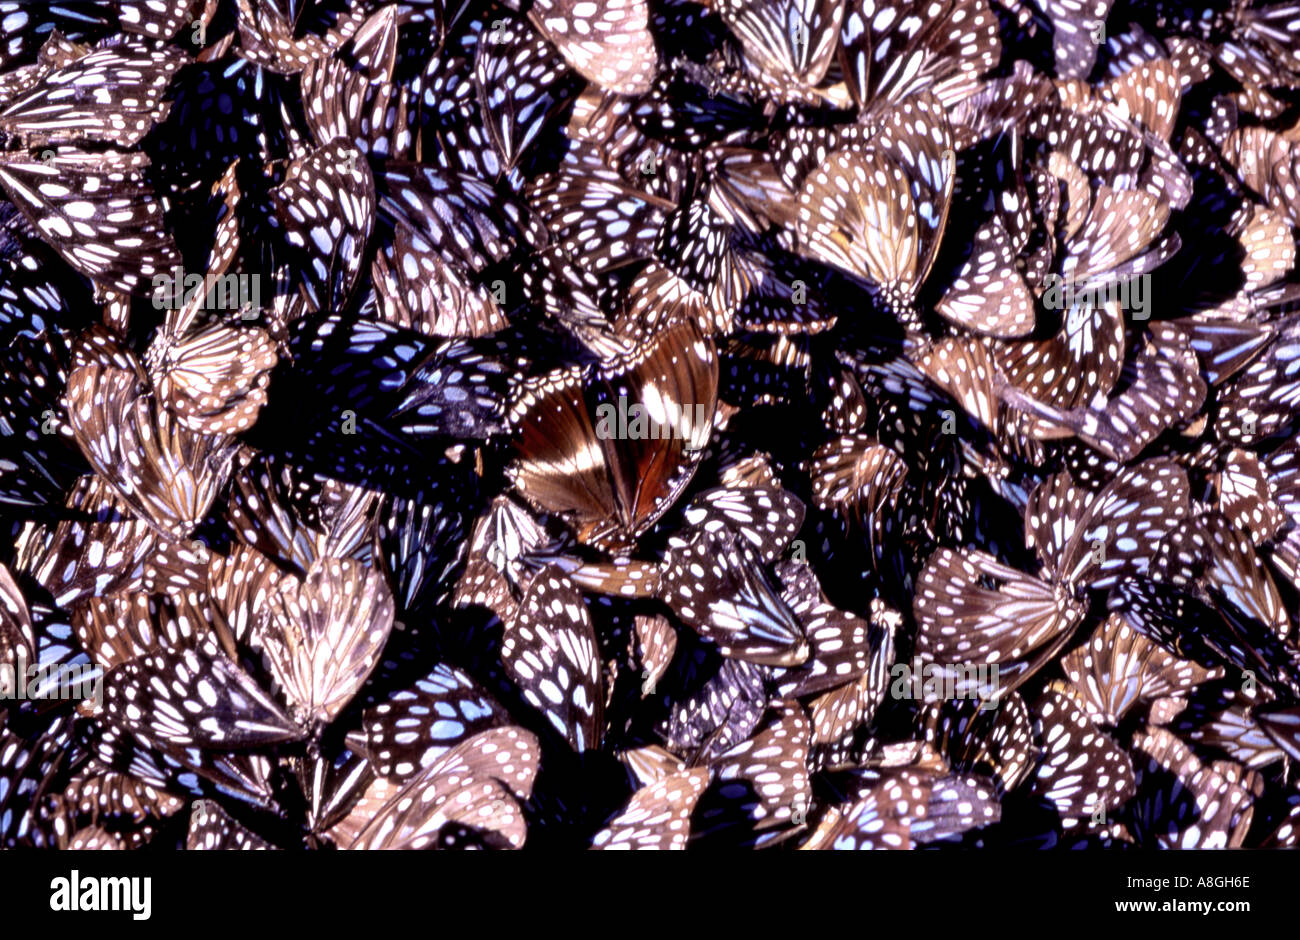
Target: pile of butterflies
334,340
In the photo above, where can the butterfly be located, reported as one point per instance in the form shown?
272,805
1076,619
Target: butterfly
129,80
215,379
29,760
248,715
1119,667
1081,769
297,519
656,645
721,703
168,474
549,651
1218,715
420,539
890,53
322,634
879,211
212,829
471,792
1182,802
579,456
608,43
597,217
1096,540
16,637
714,585
880,817
970,608
657,816
96,209
106,810
861,481
446,707
73,557
523,82
352,95
989,294
974,739
323,214
43,459
287,41
765,517
762,782
386,386
789,45
1258,402
849,660
1162,389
